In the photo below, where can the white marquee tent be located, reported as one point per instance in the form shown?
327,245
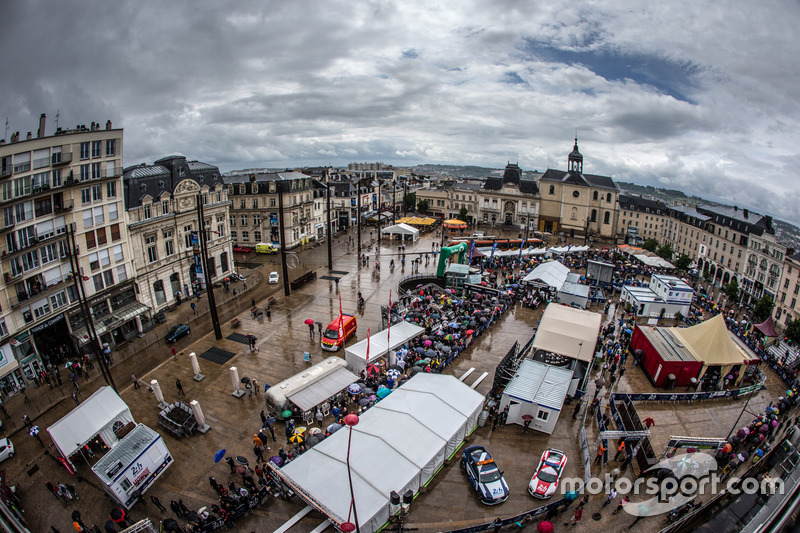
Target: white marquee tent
403,230
398,445
552,274
380,344
568,331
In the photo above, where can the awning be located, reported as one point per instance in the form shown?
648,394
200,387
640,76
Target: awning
113,321
317,392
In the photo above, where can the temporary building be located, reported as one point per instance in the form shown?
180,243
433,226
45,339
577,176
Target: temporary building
398,445
599,272
537,390
380,345
101,414
402,230
551,274
687,353
767,327
310,387
573,292
647,303
568,331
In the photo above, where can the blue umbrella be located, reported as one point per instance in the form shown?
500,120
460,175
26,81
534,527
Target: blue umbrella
383,393
219,455
419,349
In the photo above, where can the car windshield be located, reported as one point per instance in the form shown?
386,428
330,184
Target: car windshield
173,330
487,475
331,334
548,476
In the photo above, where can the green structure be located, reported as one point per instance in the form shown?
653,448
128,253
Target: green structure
445,253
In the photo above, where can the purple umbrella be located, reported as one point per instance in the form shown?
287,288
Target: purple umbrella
276,460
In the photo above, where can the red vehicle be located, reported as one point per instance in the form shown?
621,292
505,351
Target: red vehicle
242,249
544,482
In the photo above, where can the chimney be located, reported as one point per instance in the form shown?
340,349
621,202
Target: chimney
93,126
744,211
29,136
40,133
735,208
108,124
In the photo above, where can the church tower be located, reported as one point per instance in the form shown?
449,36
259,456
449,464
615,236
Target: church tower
575,162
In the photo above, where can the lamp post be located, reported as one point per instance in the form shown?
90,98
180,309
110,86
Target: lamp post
328,221
351,420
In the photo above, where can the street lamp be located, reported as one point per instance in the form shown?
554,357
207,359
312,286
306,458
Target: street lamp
351,420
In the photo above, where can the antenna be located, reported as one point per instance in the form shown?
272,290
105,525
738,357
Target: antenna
6,134
58,114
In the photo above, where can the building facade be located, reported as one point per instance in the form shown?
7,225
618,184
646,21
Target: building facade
639,219
161,201
69,181
764,267
787,304
510,200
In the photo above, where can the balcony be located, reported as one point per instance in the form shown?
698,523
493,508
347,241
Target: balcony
64,207
6,171
40,291
63,158
113,173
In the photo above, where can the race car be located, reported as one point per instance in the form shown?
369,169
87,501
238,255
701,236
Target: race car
544,482
484,475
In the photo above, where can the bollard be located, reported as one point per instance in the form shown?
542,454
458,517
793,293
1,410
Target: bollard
235,381
202,427
159,395
196,367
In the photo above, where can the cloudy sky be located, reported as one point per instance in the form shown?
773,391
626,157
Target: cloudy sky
697,96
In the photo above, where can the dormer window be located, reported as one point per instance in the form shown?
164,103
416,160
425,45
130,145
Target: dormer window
254,188
242,189
146,211
181,171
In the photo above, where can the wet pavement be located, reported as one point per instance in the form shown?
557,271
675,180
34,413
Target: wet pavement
281,340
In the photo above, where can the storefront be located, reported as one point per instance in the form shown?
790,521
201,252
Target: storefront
10,374
118,317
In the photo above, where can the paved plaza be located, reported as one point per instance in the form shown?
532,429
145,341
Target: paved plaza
448,502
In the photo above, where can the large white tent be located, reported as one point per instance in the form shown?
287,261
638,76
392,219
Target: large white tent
552,274
380,344
96,415
403,230
568,331
398,445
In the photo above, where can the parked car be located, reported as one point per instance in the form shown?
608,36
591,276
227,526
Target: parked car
176,332
6,449
484,475
544,482
273,278
242,249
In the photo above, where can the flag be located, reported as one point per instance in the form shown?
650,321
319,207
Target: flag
389,329
521,246
367,359
494,247
341,320
471,249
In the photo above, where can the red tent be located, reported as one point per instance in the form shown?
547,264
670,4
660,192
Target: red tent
767,327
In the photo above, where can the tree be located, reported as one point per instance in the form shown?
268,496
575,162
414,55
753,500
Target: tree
422,206
462,214
763,308
651,245
409,201
793,331
682,262
732,290
665,252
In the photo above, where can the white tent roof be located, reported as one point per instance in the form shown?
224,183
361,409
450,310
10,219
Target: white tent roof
653,261
568,331
381,343
567,249
401,229
397,445
540,383
81,424
551,273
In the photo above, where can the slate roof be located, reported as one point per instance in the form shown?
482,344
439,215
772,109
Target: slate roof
637,203
163,176
755,222
587,180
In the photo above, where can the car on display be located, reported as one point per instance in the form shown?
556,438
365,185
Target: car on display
484,475
176,332
273,278
242,249
6,449
544,482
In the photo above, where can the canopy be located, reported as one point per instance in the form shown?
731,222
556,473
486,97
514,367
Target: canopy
710,342
454,223
653,261
417,221
567,249
318,391
568,331
401,229
398,445
552,273
380,344
92,416
767,327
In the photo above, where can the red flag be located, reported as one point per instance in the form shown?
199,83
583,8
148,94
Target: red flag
341,320
340,304
389,329
367,359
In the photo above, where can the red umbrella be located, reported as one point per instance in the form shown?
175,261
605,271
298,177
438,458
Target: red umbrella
309,321
527,417
469,332
545,527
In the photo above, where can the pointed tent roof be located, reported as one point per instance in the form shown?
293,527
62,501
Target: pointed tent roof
767,327
710,342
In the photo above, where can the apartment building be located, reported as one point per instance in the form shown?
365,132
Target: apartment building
71,179
787,304
639,219
764,266
162,205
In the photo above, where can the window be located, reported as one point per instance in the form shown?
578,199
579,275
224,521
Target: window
3,328
242,204
233,221
95,149
146,212
122,274
97,279
96,171
86,196
108,277
111,147
97,193
233,236
87,218
152,252
244,220
595,195
594,214
552,189
542,415
117,251
608,197
98,215
158,289
255,203
256,220
56,178
115,236
164,207
272,202
187,236
245,236
113,212
169,244
85,150
607,218
91,241
111,189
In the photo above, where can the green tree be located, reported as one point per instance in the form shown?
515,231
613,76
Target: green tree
763,308
732,290
651,245
682,262
409,201
665,252
793,331
462,214
422,206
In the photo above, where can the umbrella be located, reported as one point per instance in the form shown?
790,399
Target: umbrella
171,525
743,456
314,431
245,380
415,370
296,436
276,459
219,455
446,349
354,388
242,460
286,414
545,527
448,337
418,286
308,321
333,428
367,390
427,343
469,332
383,393
420,349
372,397
313,440
599,383
430,353
34,431
527,417
117,514
571,496
743,432
393,373
363,402
373,369
435,316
